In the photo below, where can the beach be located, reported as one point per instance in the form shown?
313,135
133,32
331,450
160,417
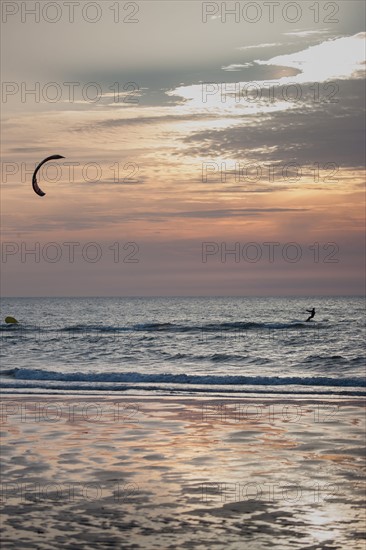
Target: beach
159,472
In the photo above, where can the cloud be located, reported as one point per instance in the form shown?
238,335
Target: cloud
255,46
227,212
26,149
74,221
237,67
341,58
305,34
323,132
153,120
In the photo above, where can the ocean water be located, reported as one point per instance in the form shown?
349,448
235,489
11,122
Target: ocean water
213,346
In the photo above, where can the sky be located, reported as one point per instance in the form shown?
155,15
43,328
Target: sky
206,152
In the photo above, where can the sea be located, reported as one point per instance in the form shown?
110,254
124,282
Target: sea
185,346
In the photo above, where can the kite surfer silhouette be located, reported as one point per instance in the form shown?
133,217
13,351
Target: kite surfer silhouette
312,311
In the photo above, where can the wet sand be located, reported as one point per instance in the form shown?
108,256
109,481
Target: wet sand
173,472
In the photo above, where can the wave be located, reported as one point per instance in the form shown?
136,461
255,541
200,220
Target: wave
225,326
197,379
92,328
166,327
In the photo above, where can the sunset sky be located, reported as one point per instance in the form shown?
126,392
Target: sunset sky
214,119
